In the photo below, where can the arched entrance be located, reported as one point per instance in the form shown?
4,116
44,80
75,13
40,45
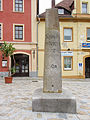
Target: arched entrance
21,65
87,67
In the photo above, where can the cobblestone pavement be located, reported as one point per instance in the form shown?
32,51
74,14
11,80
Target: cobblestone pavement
16,101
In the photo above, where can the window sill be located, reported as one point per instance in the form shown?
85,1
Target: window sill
68,41
17,40
67,69
18,12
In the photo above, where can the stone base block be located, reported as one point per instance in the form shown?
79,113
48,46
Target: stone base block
63,102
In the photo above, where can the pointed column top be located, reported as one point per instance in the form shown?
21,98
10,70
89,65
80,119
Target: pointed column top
53,4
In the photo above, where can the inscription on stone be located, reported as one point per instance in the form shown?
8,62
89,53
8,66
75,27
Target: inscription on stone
53,66
52,62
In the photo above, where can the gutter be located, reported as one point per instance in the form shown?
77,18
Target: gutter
37,40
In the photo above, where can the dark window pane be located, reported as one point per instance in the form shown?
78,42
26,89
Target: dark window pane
88,34
0,4
67,37
0,31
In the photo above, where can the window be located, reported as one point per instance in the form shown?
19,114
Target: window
60,11
67,34
19,32
88,34
0,31
84,7
67,63
19,5
0,5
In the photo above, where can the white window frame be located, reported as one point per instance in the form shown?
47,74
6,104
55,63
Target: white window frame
14,32
60,11
66,69
1,5
1,31
87,8
71,34
14,7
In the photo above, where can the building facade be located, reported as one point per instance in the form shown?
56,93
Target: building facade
18,26
74,17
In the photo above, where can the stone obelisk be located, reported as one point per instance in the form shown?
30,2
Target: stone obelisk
52,98
52,81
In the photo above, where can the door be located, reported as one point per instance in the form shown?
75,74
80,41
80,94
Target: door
87,67
21,65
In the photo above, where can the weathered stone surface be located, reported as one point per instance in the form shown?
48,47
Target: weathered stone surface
57,102
52,59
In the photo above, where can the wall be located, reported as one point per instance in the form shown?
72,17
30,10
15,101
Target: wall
79,37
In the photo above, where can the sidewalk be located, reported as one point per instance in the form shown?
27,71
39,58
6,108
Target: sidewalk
16,100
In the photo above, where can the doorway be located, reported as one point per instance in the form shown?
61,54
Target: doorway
21,65
87,67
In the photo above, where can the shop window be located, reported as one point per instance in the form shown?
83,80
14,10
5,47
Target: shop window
60,11
18,5
67,63
67,34
88,34
18,32
84,8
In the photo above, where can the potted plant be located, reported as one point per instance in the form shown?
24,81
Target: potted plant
7,50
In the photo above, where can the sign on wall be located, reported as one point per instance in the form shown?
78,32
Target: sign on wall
86,45
80,66
67,53
4,63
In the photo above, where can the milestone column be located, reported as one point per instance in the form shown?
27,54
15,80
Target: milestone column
52,81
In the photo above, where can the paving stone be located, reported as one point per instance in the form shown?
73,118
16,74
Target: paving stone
85,107
39,115
83,117
82,113
55,119
16,101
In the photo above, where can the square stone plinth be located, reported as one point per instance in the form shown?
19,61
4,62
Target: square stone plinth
63,102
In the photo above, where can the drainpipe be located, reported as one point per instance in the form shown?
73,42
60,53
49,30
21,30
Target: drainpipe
37,41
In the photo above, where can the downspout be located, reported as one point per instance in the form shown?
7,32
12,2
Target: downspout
37,42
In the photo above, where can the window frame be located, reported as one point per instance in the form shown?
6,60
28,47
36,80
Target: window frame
67,69
1,5
86,34
72,34
87,7
1,31
14,7
14,32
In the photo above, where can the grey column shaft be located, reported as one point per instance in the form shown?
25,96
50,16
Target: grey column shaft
52,59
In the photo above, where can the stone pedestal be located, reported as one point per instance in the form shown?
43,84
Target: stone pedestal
63,102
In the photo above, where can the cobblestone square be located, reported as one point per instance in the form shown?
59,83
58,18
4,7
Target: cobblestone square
16,100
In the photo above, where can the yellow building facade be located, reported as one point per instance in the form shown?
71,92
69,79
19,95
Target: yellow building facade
75,48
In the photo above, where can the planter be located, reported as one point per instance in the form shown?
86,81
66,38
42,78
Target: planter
8,80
